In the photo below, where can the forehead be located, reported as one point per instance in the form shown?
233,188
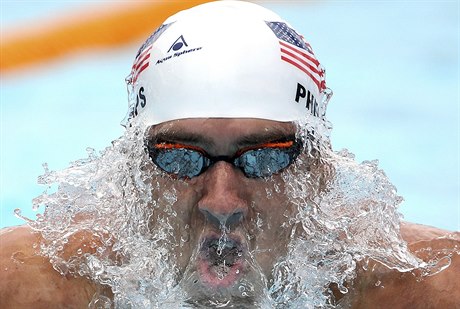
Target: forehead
220,131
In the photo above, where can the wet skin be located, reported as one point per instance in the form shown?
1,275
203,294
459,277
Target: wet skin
224,193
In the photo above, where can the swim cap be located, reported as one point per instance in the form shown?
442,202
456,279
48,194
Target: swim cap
228,59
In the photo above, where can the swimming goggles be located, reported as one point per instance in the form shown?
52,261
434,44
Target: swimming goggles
264,160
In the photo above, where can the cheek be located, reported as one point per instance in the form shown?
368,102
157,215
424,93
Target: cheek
271,227
174,197
175,204
271,245
271,208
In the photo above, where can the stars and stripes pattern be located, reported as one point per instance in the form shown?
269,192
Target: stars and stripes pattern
297,52
141,63
143,55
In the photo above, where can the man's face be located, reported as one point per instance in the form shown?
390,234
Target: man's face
230,228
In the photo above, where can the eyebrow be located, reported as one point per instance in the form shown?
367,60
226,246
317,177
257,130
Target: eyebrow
191,138
181,137
264,137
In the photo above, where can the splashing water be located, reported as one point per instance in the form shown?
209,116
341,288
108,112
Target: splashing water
120,211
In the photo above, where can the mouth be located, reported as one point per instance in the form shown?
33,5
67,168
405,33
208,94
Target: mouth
220,263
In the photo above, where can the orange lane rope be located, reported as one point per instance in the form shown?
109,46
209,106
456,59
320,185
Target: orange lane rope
96,28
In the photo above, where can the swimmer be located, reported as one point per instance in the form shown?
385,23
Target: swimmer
225,192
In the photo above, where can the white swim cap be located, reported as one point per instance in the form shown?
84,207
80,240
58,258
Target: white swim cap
228,59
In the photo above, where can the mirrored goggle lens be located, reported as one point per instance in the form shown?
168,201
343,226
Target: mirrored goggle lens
264,162
182,162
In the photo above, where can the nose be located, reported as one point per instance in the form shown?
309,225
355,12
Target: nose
223,200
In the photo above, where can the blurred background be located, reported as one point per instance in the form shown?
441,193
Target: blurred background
393,67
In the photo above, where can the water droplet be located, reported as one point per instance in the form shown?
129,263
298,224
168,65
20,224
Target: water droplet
17,212
185,236
269,193
343,289
45,167
18,257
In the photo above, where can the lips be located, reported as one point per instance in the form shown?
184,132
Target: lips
220,263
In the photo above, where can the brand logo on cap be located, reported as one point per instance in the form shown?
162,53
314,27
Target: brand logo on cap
177,50
178,44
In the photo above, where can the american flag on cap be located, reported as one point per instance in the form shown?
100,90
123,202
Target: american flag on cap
143,55
296,51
